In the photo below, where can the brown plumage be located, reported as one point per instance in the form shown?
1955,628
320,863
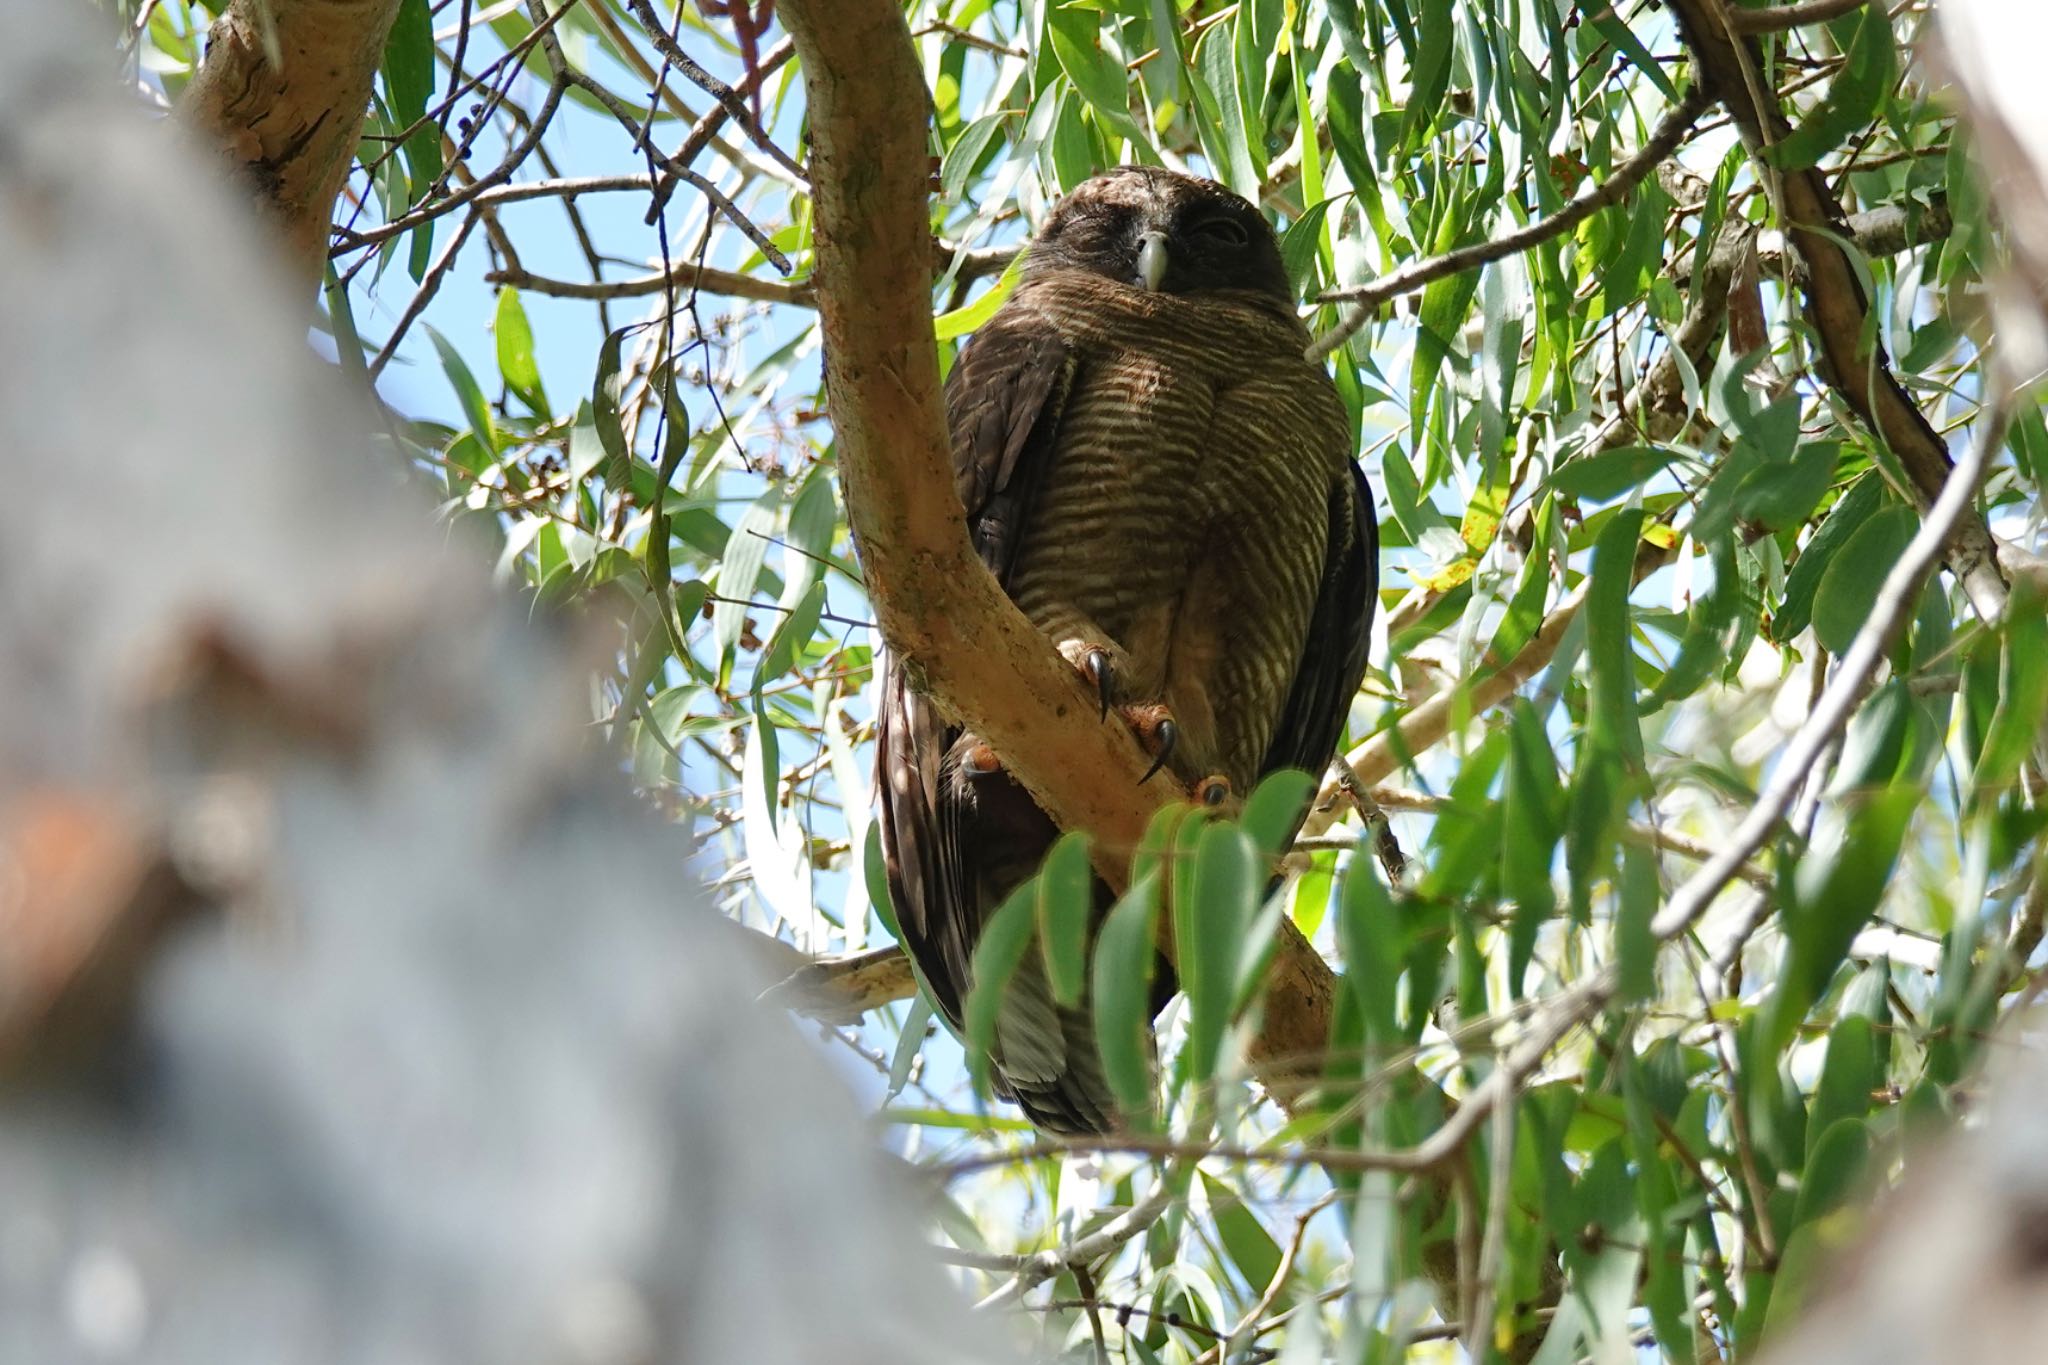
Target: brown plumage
1165,486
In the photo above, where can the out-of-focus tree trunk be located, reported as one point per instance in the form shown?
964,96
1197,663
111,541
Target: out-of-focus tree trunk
351,1010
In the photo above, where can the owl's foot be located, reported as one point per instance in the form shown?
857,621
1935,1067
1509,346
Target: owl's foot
1154,726
979,760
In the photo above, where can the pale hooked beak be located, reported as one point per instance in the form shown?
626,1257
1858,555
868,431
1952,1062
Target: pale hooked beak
1152,260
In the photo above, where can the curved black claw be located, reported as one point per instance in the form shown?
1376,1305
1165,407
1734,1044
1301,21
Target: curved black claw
1166,734
1095,663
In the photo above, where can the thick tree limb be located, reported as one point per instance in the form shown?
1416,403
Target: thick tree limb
290,126
960,637
1832,298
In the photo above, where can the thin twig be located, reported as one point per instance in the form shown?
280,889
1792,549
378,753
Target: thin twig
1087,1250
735,107
1782,17
683,275
1247,1324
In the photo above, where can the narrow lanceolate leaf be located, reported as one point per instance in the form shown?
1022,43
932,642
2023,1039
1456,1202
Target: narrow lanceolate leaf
409,76
1843,520
997,955
1216,62
475,409
1066,903
740,569
1274,808
605,391
967,317
1853,96
1836,890
515,352
1848,587
1122,994
797,626
1209,934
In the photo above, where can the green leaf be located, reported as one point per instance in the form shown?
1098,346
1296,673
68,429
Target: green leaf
739,569
1628,45
1245,1239
1848,589
1835,891
1370,933
409,77
2015,725
966,153
1784,493
1122,994
799,623
813,521
1532,821
475,410
515,352
967,317
1208,934
1216,65
605,391
1075,34
1847,516
1848,1079
1274,809
1869,70
1005,938
1066,903
1611,473
1304,239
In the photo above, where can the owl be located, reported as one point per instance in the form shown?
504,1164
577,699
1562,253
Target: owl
1166,487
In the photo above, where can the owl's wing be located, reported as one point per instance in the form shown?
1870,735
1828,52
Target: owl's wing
1334,660
1004,397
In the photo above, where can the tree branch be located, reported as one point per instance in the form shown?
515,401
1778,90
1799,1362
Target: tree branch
960,638
283,92
1832,297
1782,17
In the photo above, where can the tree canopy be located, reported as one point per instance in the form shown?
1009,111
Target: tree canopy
1686,847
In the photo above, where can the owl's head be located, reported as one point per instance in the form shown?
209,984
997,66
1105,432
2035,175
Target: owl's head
1162,231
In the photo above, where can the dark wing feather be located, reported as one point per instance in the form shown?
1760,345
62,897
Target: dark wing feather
1004,397
1334,658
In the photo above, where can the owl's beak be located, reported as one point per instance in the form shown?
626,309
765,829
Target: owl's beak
1152,260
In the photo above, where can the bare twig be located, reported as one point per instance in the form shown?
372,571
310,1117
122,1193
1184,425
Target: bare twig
1249,1323
729,99
683,274
1083,1251
1775,20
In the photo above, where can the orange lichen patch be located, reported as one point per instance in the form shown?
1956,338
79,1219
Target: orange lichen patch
71,867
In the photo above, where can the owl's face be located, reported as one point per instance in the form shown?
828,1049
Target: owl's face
1162,231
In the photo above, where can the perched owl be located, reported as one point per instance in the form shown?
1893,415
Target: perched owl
1166,487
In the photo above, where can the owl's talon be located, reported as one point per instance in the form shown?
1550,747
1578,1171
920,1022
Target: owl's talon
1095,666
1154,728
1165,734
1212,790
981,761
